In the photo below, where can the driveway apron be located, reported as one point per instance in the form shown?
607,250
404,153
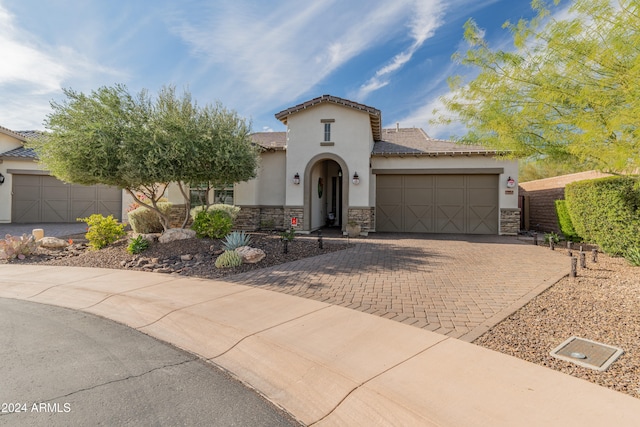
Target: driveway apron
459,286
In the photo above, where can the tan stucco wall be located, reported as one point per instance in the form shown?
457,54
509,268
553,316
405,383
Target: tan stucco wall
5,189
507,201
352,138
268,188
8,143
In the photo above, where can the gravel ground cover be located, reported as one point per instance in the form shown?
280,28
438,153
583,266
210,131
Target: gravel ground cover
202,251
602,304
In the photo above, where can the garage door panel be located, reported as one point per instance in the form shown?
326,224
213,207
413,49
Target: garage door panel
450,219
28,211
55,211
419,218
42,198
83,193
389,218
438,203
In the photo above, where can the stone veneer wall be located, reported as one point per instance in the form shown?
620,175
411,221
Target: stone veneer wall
248,218
509,221
272,218
290,212
363,216
268,218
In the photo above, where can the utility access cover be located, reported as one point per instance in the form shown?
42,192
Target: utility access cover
587,353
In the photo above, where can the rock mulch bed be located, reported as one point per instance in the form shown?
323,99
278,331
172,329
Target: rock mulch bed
189,257
601,304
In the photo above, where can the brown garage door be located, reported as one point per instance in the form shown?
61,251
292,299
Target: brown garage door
42,198
466,204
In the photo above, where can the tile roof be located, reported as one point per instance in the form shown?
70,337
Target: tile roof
415,141
20,153
14,134
22,136
374,114
270,140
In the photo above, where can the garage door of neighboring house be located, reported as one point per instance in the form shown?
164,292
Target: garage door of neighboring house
43,198
466,204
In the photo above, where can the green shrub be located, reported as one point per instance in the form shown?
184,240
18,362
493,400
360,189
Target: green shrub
215,225
606,211
633,256
12,247
143,220
102,231
229,259
565,223
551,237
137,245
235,240
289,235
231,210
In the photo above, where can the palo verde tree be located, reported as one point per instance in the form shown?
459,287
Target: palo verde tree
143,144
568,92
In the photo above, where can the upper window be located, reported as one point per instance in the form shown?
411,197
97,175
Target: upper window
327,128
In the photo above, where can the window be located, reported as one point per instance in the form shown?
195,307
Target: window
327,128
223,195
327,132
198,194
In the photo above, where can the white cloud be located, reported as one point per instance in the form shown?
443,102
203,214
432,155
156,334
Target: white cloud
272,55
33,72
24,63
426,19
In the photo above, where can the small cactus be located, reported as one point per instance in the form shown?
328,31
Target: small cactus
229,259
235,240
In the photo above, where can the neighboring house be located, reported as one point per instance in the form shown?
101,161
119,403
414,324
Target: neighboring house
539,196
336,165
31,195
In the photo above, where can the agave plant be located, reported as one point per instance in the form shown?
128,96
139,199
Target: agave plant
235,240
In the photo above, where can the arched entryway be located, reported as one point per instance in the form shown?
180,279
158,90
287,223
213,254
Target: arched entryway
326,192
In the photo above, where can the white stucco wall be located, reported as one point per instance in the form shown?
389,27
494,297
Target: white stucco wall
510,167
352,138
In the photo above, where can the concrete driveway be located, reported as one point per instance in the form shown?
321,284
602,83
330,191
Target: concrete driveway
459,286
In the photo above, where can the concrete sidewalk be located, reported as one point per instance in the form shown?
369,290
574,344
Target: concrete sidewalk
325,364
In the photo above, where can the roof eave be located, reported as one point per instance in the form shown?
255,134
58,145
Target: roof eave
435,153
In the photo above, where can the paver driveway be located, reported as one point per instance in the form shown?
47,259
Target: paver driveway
454,285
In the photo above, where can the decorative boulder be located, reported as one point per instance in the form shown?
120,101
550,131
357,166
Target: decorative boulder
53,243
250,255
174,234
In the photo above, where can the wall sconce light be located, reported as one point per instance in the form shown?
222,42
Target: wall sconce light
1,178
296,178
356,179
511,182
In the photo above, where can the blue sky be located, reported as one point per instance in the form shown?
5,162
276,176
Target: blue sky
256,57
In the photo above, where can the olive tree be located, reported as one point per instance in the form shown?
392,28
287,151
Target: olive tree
142,144
568,92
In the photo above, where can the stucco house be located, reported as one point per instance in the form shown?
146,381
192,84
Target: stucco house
31,195
335,165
